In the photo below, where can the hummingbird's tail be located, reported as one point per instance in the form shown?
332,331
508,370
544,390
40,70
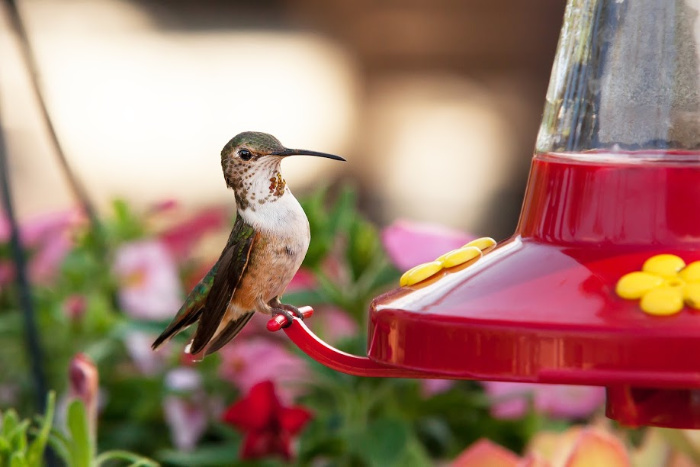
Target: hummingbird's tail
228,333
188,314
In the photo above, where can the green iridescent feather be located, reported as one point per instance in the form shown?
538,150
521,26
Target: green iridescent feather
208,300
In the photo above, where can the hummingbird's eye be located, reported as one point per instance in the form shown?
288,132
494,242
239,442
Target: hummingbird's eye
245,154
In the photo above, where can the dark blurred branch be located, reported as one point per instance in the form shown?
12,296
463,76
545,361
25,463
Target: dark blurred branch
23,288
31,64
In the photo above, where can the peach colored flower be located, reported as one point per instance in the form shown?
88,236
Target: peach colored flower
576,447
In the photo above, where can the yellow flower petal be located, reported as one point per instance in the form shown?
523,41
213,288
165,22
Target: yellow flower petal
459,256
420,273
635,284
691,273
482,243
663,301
691,293
663,265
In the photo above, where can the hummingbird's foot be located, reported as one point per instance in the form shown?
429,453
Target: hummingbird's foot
294,310
289,317
275,304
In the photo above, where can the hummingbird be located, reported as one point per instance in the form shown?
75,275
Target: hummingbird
265,249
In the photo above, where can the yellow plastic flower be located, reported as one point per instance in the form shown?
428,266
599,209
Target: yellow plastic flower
663,286
468,252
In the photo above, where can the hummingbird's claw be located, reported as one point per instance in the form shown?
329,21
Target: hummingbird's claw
279,320
294,310
289,318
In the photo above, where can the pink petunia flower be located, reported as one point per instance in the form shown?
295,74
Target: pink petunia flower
332,324
411,243
186,420
164,206
186,411
182,237
246,362
138,346
431,387
47,238
510,400
149,283
302,280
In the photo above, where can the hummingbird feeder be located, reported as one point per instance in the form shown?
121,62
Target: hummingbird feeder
600,284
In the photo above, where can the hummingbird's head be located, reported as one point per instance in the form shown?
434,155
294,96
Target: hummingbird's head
251,163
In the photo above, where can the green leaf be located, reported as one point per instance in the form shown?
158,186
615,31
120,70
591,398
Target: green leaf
323,447
414,455
383,442
135,459
60,445
9,422
304,297
126,224
331,292
18,460
36,449
363,246
343,212
211,456
100,315
18,436
435,434
4,447
322,238
81,449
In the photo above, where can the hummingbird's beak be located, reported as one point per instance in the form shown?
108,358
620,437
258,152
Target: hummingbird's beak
304,152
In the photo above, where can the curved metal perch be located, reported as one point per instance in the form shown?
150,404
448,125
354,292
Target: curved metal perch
333,358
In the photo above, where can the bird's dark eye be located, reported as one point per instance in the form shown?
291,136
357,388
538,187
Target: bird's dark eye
245,154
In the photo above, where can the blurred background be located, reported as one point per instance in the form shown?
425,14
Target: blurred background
435,104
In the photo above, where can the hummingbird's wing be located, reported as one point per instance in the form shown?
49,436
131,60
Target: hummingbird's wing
231,267
209,298
190,310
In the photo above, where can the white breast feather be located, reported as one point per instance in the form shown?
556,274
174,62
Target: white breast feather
282,217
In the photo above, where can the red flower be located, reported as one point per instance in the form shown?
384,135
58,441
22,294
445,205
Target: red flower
269,426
